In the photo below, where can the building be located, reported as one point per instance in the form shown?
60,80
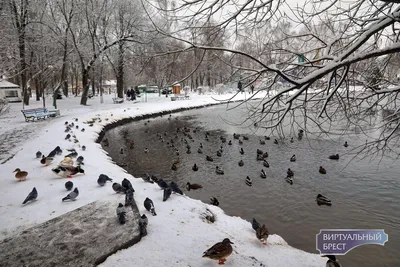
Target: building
9,91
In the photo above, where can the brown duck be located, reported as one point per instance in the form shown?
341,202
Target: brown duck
20,175
190,186
262,234
219,251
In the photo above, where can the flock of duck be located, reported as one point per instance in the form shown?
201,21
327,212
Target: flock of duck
182,136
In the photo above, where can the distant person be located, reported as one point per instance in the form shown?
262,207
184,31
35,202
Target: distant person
252,89
133,95
128,94
239,85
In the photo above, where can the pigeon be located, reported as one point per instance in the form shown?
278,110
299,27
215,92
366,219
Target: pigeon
214,201
83,148
121,213
255,224
147,178
72,154
143,222
148,204
73,195
128,197
83,129
167,193
79,160
195,168
31,196
38,155
118,188
127,184
68,136
69,185
162,184
103,179
175,188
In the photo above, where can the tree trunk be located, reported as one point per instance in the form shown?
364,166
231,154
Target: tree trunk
21,46
64,73
120,71
93,82
85,85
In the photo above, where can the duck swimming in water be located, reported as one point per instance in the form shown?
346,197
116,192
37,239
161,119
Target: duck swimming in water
290,173
249,182
241,163
259,157
291,140
289,179
345,144
336,157
195,168
219,171
190,186
230,142
322,170
259,152
332,261
265,155
322,200
293,158
241,151
199,151
208,158
245,137
262,142
240,142
219,154
266,164
263,174
214,201
275,141
174,167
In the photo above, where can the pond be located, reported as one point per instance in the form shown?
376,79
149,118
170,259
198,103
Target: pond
365,193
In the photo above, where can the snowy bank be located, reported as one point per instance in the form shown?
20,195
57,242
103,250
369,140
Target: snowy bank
178,235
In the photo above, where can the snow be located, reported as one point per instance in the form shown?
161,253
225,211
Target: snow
176,236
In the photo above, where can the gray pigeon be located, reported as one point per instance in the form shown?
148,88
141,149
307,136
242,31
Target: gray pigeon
162,184
175,188
31,196
167,193
73,195
127,184
149,205
147,178
69,185
143,222
103,179
128,197
121,213
72,155
38,155
255,224
118,188
79,160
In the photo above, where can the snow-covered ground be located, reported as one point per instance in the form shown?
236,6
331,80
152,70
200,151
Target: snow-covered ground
177,236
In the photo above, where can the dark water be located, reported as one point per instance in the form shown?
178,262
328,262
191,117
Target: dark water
365,193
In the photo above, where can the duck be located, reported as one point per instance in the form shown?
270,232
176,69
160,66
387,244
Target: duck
275,141
241,163
214,201
208,158
201,145
262,142
67,171
46,160
146,150
199,151
241,151
262,234
195,168
332,261
322,200
293,158
236,136
290,173
219,154
240,142
291,140
20,175
230,142
266,164
289,179
220,251
346,144
219,171
263,174
190,186
174,167
336,157
249,182
188,151
267,138
259,152
259,157
245,137
121,151
67,161
265,155
322,170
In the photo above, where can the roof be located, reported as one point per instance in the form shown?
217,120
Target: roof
5,84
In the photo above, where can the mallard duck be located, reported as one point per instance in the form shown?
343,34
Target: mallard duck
195,168
322,170
223,140
289,179
334,156
230,142
241,151
190,186
201,145
241,163
219,171
188,151
245,137
199,151
67,171
208,158
266,164
259,157
240,142
263,174
236,136
267,138
290,173
321,200
146,150
219,154
255,224
332,262
262,234
174,167
214,201
67,161
265,155
219,251
293,158
20,175
262,142
249,182
291,140
259,152
46,160
345,144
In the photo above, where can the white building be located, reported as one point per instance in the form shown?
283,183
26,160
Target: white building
9,91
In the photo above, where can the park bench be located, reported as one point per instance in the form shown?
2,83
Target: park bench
39,114
118,100
179,97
